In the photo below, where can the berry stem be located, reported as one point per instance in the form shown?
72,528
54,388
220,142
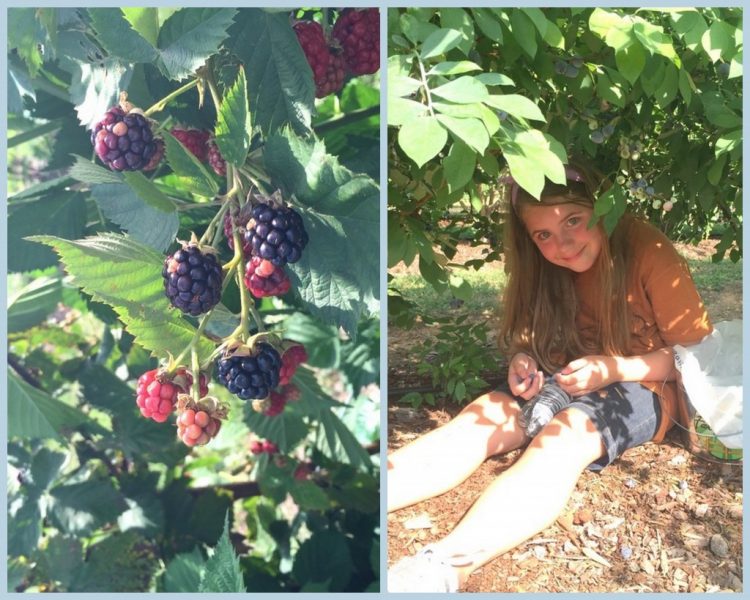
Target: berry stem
191,346
213,225
196,391
161,104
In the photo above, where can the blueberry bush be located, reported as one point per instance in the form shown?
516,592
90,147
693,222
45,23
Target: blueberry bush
652,96
193,353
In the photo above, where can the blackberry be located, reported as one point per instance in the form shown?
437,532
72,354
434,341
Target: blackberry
313,41
192,280
276,234
333,80
197,427
263,278
156,394
290,360
156,158
358,32
123,141
251,376
216,160
195,140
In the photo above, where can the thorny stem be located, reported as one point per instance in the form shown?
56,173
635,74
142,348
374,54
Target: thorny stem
161,104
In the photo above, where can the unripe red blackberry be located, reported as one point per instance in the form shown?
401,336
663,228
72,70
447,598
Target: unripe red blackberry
192,279
123,141
156,393
216,160
263,278
313,41
195,140
252,376
333,80
290,360
261,446
276,404
358,33
197,427
276,234
156,158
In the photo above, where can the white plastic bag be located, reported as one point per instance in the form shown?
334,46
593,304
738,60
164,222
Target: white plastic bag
711,374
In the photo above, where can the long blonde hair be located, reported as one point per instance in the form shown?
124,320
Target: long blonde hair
540,302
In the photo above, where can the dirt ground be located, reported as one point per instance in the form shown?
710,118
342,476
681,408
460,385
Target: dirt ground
658,520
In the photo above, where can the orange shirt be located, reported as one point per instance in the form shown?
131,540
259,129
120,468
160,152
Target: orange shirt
665,309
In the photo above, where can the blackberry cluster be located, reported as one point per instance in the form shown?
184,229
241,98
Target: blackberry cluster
263,278
124,141
192,280
251,376
358,33
276,234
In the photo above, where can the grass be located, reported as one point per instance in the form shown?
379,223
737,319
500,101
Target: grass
488,283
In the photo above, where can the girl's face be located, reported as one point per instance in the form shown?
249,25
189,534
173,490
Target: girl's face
560,232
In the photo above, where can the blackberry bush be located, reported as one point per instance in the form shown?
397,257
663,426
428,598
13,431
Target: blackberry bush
219,129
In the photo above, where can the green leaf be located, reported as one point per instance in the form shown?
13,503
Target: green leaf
118,37
620,204
61,559
34,303
471,132
222,573
24,524
96,85
148,192
601,22
459,165
654,39
728,142
422,139
489,79
459,20
465,89
324,556
667,90
523,31
718,41
608,88
80,508
59,213
488,24
126,275
123,562
537,17
33,413
321,342
86,171
716,169
630,61
401,110
25,35
189,37
124,206
454,68
309,496
45,467
280,81
339,443
690,26
184,572
145,21
286,430
516,105
439,42
531,157
186,164
233,126
341,215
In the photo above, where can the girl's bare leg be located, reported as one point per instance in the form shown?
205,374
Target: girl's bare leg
441,459
527,497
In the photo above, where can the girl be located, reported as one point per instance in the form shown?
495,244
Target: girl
596,313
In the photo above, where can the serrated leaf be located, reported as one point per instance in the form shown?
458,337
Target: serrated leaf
85,171
285,430
222,572
34,414
341,215
145,21
325,556
24,524
25,34
32,304
279,77
148,192
61,559
118,37
19,86
120,272
96,87
189,36
233,127
186,164
309,496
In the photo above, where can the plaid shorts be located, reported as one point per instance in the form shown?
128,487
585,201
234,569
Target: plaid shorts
626,414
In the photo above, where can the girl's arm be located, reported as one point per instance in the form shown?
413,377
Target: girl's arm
590,373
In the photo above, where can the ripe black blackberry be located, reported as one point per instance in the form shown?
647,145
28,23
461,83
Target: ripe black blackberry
276,234
192,279
124,141
250,376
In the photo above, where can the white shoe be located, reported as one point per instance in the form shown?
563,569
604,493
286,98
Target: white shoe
423,572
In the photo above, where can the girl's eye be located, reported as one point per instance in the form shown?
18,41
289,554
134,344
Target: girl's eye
542,236
574,221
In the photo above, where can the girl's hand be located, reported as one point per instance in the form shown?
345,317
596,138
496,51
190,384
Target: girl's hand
587,374
524,378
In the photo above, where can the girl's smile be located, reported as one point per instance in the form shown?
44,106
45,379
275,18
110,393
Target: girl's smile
561,233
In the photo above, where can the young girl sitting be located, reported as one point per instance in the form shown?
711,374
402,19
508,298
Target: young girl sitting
597,315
